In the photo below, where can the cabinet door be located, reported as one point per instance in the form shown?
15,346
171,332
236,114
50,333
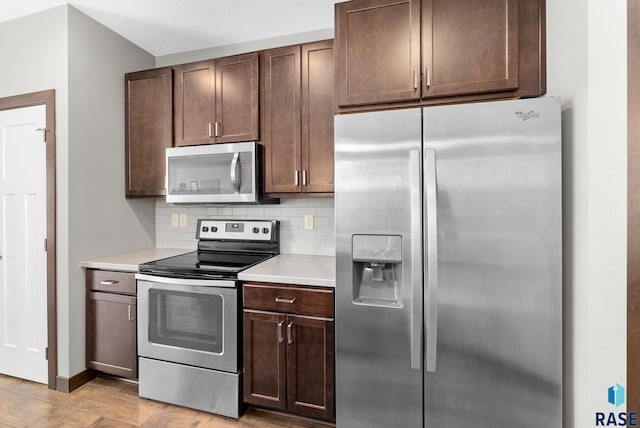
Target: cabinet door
310,367
194,103
317,116
237,98
377,51
281,119
111,334
532,52
149,130
264,355
469,46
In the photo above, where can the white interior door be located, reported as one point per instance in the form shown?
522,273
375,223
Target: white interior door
23,268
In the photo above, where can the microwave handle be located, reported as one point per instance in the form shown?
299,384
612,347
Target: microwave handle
236,176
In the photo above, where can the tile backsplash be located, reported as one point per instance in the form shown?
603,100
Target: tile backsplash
294,239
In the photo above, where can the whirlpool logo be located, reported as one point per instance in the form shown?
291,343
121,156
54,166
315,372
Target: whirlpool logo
615,397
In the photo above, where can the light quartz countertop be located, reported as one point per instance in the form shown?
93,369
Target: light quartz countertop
294,269
128,262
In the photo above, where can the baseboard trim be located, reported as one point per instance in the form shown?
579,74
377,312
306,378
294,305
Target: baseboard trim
67,385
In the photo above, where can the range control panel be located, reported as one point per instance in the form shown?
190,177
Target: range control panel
237,230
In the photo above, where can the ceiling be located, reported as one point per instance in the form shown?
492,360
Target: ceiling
163,27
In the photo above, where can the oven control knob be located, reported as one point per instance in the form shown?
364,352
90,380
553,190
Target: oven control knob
214,229
205,229
256,230
265,230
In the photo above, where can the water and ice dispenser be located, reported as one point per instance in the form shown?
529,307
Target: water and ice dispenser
377,270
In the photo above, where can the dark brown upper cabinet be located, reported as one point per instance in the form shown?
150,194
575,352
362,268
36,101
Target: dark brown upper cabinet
149,130
237,98
469,46
317,117
297,119
280,134
194,103
408,52
216,101
377,51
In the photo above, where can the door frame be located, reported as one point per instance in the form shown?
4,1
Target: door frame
46,98
633,205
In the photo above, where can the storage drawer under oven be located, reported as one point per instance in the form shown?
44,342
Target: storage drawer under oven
288,298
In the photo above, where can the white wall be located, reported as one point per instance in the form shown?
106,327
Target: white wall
85,63
586,53
34,58
102,221
256,45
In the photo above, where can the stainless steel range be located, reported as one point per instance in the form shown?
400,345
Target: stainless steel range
188,316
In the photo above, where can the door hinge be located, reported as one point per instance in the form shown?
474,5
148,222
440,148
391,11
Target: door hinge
45,244
46,353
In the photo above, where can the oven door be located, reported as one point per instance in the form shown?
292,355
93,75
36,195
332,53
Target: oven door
188,321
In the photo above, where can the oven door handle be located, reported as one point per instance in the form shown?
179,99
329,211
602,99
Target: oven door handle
186,281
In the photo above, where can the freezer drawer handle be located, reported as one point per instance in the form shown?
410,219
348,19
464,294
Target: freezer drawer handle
109,282
283,300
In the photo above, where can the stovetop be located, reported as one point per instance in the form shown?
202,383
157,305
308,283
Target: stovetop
225,247
204,264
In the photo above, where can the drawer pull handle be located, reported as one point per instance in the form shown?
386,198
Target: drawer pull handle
109,282
289,333
280,332
283,300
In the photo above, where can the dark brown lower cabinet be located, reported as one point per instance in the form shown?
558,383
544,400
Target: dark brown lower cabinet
265,359
111,325
288,359
310,366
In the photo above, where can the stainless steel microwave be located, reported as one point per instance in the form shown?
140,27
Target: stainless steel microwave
216,173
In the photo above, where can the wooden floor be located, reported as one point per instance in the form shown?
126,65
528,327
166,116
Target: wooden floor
111,403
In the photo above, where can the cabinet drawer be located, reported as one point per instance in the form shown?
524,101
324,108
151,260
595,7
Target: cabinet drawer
111,282
290,299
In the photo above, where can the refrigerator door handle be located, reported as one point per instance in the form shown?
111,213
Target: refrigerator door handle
431,258
416,260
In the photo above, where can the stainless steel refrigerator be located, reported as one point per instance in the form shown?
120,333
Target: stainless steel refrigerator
449,266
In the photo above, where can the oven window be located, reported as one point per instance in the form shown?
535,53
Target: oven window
186,320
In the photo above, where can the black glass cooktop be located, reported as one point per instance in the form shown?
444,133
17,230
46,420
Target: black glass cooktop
198,264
